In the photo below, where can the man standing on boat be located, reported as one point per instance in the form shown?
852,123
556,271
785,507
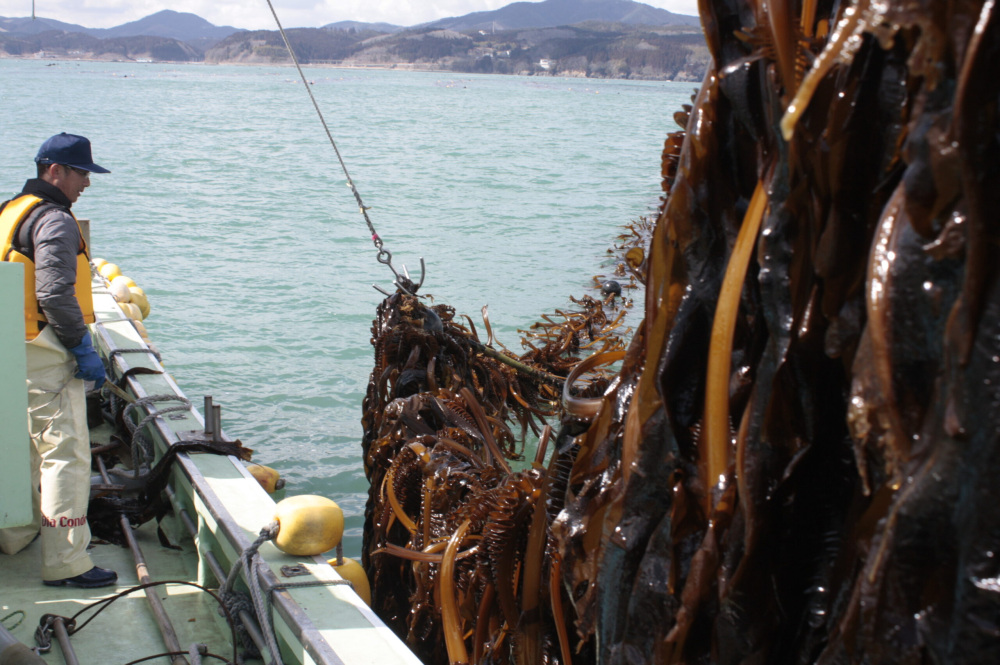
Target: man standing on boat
38,230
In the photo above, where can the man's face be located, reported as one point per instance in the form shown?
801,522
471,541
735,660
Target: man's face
71,181
76,180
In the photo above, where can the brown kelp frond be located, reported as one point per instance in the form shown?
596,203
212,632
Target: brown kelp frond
437,446
717,382
831,346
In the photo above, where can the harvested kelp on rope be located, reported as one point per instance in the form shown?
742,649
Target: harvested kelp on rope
447,518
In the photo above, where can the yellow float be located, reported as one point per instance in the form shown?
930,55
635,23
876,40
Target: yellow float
352,571
308,525
138,298
131,311
109,271
119,290
127,281
268,478
141,329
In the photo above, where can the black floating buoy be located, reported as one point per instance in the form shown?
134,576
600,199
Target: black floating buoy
611,287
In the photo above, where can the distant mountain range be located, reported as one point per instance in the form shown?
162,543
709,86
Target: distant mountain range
554,13
605,38
547,14
30,26
167,23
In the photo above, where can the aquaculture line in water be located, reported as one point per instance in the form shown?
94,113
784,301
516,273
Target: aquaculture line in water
797,459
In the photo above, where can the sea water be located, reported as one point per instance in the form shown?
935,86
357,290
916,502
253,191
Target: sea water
227,204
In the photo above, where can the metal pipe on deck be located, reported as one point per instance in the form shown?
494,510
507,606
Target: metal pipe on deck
159,613
217,420
142,571
59,629
209,419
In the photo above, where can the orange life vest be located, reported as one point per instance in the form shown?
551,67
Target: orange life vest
13,215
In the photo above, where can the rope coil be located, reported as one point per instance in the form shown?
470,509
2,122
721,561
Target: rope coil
10,616
249,560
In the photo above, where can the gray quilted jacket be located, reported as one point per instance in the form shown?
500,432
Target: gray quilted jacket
52,239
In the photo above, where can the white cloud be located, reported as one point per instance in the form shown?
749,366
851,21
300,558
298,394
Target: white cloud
257,15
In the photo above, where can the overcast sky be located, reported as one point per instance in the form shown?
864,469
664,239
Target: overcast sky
254,14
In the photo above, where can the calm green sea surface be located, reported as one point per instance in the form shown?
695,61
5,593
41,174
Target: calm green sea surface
227,205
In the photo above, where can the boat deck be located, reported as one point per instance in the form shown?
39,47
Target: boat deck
126,628
217,511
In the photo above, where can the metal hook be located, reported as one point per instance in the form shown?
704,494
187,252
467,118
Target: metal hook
402,282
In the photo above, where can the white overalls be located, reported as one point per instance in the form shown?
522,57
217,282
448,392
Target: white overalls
60,455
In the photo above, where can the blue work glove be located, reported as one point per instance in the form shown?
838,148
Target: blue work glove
91,367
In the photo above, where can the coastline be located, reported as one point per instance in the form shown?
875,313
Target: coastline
397,66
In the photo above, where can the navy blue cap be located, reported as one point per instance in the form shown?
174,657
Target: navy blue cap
70,150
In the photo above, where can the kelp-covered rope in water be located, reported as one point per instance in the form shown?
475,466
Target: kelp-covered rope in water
824,492
447,517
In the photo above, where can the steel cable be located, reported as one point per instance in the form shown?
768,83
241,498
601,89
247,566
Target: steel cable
350,183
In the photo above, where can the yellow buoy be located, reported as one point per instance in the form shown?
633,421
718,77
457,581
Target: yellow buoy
131,311
141,329
268,478
109,271
308,525
98,263
138,298
352,571
127,281
119,290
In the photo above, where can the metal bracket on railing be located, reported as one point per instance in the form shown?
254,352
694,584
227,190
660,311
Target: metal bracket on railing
294,570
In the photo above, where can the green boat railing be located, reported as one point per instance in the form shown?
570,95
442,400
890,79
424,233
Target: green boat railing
317,618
